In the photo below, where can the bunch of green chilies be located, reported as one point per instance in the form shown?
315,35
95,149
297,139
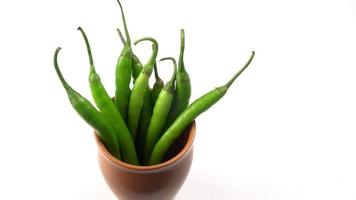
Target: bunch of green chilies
141,124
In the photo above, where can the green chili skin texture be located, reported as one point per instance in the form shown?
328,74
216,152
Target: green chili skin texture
89,113
160,113
146,112
123,73
157,86
188,115
107,107
139,90
147,107
183,86
145,119
136,64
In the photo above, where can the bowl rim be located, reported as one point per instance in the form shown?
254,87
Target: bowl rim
102,150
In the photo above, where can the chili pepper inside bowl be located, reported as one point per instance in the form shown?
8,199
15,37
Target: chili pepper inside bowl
144,136
162,181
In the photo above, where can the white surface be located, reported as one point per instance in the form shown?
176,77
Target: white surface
285,131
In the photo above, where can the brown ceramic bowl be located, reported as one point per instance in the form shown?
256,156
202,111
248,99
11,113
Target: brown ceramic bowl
157,182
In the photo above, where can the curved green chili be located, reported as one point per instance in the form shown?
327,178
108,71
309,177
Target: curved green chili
157,86
89,113
183,86
123,73
160,112
188,115
140,88
107,107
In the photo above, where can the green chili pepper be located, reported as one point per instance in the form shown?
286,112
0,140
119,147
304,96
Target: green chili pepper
158,85
88,112
136,64
160,112
140,88
144,122
123,73
107,107
145,118
146,111
188,115
183,86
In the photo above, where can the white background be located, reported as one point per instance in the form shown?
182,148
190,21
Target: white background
285,130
